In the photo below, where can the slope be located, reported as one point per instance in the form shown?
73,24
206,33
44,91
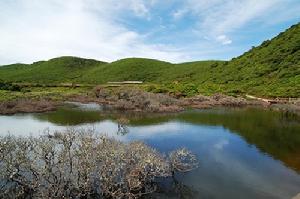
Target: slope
271,69
57,70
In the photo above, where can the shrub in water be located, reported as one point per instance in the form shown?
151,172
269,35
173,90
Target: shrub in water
82,164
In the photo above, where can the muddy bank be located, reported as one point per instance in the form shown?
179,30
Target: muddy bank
201,101
27,106
295,108
137,100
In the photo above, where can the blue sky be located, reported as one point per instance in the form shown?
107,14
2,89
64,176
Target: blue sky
170,30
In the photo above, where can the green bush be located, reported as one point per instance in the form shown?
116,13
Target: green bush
189,89
9,86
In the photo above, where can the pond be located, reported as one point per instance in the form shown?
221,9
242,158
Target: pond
243,153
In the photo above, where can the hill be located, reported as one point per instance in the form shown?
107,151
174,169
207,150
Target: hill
57,70
271,69
79,70
147,70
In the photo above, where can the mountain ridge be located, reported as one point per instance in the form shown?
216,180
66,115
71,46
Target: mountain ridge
270,69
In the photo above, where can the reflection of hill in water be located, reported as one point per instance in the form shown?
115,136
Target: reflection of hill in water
68,116
274,133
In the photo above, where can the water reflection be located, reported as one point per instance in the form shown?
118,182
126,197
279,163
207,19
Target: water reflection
244,153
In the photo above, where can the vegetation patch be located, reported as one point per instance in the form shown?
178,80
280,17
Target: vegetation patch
27,106
83,164
37,93
134,99
9,86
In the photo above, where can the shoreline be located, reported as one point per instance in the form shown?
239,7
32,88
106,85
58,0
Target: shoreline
28,106
135,100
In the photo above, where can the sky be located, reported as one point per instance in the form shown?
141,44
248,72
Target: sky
169,30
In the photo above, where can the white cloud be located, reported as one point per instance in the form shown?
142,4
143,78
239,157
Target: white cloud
139,8
218,18
33,30
178,14
222,16
223,39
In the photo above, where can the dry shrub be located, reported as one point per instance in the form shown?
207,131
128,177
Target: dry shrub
27,106
137,100
83,164
122,126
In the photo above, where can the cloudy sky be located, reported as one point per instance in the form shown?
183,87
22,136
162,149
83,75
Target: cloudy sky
171,30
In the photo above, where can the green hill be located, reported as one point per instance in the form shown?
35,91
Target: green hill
57,70
271,69
127,69
78,70
147,70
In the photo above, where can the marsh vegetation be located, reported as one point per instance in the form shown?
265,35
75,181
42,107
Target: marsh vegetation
83,164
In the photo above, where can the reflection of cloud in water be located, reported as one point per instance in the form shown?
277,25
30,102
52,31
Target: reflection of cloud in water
23,125
110,128
86,106
221,144
250,175
170,129
105,127
149,131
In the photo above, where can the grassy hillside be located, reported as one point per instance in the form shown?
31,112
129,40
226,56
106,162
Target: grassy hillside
78,70
147,70
127,69
271,69
57,70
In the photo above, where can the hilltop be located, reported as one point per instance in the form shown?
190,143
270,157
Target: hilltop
271,69
61,69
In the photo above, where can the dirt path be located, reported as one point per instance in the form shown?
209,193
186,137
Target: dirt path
274,101
258,98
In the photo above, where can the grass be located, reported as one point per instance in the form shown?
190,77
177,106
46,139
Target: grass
271,69
57,70
54,93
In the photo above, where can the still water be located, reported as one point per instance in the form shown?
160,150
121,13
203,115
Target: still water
243,153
